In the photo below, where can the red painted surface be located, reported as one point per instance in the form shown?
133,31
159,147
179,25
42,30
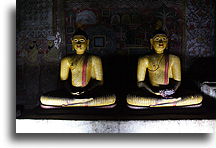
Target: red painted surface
84,72
166,69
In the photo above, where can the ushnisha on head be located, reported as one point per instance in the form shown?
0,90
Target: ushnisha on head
159,41
80,41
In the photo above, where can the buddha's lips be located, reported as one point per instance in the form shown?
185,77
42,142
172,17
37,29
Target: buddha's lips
78,46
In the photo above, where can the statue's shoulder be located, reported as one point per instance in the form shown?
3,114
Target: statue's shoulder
94,57
67,58
173,57
144,59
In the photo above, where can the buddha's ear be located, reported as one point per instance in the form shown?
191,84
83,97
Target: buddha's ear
151,41
88,41
167,44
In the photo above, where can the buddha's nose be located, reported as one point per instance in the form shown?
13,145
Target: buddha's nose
78,42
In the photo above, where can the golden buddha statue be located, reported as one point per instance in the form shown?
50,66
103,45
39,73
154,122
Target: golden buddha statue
159,77
84,87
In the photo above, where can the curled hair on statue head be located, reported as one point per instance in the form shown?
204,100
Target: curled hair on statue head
159,31
80,32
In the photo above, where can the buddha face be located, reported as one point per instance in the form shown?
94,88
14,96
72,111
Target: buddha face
80,44
32,44
50,44
159,43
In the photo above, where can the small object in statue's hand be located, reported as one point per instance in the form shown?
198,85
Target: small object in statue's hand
167,92
77,93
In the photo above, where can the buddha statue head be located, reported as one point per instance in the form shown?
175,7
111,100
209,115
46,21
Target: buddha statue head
50,41
80,41
159,41
33,44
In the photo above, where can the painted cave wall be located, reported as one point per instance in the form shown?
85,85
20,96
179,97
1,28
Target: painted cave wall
123,27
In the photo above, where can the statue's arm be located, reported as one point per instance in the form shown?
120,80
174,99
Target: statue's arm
98,69
176,70
143,84
97,79
141,74
141,69
64,69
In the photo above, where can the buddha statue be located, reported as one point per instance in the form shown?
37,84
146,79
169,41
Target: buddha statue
82,77
159,78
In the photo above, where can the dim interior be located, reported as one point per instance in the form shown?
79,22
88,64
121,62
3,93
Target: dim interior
119,33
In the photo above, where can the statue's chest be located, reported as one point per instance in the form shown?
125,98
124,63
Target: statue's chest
159,69
80,65
156,65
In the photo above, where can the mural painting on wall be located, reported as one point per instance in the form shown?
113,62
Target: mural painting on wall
200,28
35,29
37,47
125,25
214,26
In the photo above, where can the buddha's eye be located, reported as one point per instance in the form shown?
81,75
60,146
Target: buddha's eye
156,39
82,40
75,40
164,39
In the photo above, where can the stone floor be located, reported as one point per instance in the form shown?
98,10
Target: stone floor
130,126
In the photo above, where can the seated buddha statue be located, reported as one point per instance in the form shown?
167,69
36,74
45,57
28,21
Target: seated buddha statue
82,77
159,79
